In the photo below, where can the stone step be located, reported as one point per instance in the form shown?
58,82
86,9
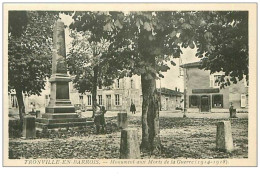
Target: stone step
67,120
60,109
63,125
59,115
62,102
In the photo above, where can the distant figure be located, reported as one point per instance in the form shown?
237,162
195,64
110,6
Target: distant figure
99,119
231,110
132,108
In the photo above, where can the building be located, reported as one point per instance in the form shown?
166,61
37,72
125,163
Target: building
203,92
117,97
170,99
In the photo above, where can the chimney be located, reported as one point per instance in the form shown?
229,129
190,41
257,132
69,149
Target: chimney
176,89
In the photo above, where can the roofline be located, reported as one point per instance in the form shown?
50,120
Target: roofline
191,65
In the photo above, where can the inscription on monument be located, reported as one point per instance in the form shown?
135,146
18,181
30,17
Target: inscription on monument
62,90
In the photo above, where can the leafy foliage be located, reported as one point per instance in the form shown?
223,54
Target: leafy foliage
17,22
139,38
87,58
83,57
29,55
222,42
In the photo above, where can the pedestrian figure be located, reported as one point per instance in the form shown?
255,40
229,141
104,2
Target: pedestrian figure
231,110
99,119
132,108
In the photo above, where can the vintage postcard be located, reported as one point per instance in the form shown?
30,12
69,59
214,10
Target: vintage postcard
117,84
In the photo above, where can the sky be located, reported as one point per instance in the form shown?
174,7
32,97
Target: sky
171,78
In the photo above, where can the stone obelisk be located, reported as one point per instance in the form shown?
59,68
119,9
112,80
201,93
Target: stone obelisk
60,112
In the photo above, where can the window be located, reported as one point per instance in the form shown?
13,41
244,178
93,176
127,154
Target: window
244,100
117,100
217,101
215,79
194,101
81,97
100,100
132,83
89,100
117,83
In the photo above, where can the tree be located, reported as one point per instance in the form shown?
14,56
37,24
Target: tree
29,53
86,64
222,42
86,58
142,42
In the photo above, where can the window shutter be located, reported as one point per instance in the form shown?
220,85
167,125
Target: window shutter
243,100
189,101
120,99
212,103
113,99
222,105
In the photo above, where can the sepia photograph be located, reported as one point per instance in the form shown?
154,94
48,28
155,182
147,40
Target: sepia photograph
117,85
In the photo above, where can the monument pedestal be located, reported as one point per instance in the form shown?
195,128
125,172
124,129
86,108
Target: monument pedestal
60,112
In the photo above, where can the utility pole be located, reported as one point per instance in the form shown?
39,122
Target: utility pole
185,91
184,75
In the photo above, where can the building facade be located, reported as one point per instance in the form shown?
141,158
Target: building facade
117,97
170,99
203,92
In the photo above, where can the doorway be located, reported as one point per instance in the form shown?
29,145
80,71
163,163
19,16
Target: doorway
205,103
108,102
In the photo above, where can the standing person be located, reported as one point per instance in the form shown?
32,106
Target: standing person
102,119
231,110
99,119
132,108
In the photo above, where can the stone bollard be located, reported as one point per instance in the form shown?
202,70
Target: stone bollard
224,140
38,114
122,120
129,147
29,127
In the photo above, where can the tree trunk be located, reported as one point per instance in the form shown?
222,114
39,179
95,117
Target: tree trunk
94,91
19,96
150,114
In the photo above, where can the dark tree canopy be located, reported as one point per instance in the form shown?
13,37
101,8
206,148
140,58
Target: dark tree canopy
29,55
17,22
222,42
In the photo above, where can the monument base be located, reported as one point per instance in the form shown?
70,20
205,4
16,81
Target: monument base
60,114
61,120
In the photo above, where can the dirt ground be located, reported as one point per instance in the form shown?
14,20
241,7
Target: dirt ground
180,138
